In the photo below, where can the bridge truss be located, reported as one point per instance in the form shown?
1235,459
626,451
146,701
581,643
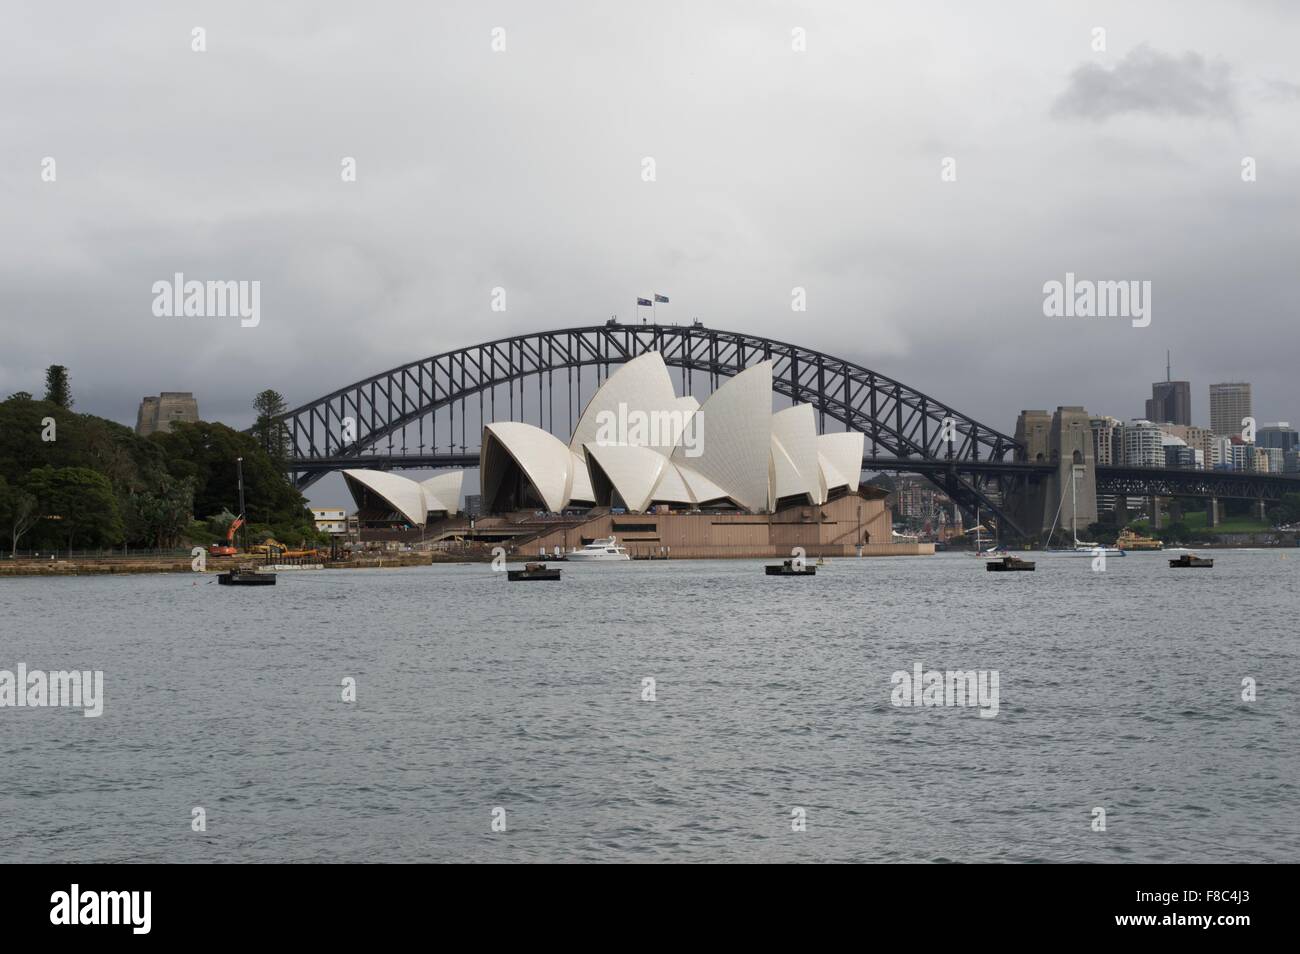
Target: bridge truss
394,418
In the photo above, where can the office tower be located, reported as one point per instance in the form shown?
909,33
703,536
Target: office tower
1229,404
1171,401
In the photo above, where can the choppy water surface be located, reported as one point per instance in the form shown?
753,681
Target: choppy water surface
1118,690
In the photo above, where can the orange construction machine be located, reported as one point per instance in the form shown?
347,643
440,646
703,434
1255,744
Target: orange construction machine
228,548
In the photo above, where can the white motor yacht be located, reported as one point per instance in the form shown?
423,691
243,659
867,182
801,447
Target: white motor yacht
598,551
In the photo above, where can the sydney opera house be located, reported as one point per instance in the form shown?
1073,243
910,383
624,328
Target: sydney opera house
664,473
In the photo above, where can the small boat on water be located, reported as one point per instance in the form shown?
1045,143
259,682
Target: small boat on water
986,550
246,575
789,568
1009,564
534,571
598,551
1190,559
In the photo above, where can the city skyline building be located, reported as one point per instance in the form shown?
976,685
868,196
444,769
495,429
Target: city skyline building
1170,401
1230,403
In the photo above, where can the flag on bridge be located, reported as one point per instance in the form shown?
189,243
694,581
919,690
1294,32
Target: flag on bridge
661,298
644,301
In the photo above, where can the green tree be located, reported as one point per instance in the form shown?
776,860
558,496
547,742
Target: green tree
1175,532
18,513
161,515
57,390
78,505
272,435
206,453
1286,510
20,396
1104,533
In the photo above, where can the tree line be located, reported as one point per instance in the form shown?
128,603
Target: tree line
76,480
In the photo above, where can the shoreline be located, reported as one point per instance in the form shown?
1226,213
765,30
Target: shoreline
110,566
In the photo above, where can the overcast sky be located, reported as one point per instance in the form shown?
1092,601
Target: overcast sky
774,169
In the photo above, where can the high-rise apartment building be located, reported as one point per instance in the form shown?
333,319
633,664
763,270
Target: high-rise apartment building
1107,441
1144,445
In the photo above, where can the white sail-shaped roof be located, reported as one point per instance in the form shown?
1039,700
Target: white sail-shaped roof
677,427
702,490
641,384
737,439
401,493
672,488
581,489
634,471
841,454
795,467
442,492
543,458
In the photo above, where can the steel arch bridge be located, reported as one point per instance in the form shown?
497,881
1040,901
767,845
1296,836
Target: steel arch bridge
905,429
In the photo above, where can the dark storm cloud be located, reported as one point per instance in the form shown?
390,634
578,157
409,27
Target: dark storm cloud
1151,82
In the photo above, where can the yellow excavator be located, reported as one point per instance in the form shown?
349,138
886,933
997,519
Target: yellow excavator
268,547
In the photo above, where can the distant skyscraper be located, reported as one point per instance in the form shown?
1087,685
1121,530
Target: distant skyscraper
1229,404
1280,435
1171,401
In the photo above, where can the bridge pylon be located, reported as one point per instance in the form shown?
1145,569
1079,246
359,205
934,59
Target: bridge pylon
1068,493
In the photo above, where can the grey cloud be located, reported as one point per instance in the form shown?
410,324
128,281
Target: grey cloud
1148,81
522,170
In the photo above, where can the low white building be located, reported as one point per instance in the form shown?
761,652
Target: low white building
330,519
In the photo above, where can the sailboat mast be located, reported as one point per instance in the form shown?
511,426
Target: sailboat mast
1074,504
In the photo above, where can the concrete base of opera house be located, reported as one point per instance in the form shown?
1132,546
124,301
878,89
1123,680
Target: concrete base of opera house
855,524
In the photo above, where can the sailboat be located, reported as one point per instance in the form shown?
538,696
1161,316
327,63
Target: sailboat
1081,547
994,552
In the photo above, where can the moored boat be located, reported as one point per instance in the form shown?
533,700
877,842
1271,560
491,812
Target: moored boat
534,571
1009,564
1190,559
246,575
790,568
598,551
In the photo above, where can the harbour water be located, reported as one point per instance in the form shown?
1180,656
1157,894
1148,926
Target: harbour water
1118,690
